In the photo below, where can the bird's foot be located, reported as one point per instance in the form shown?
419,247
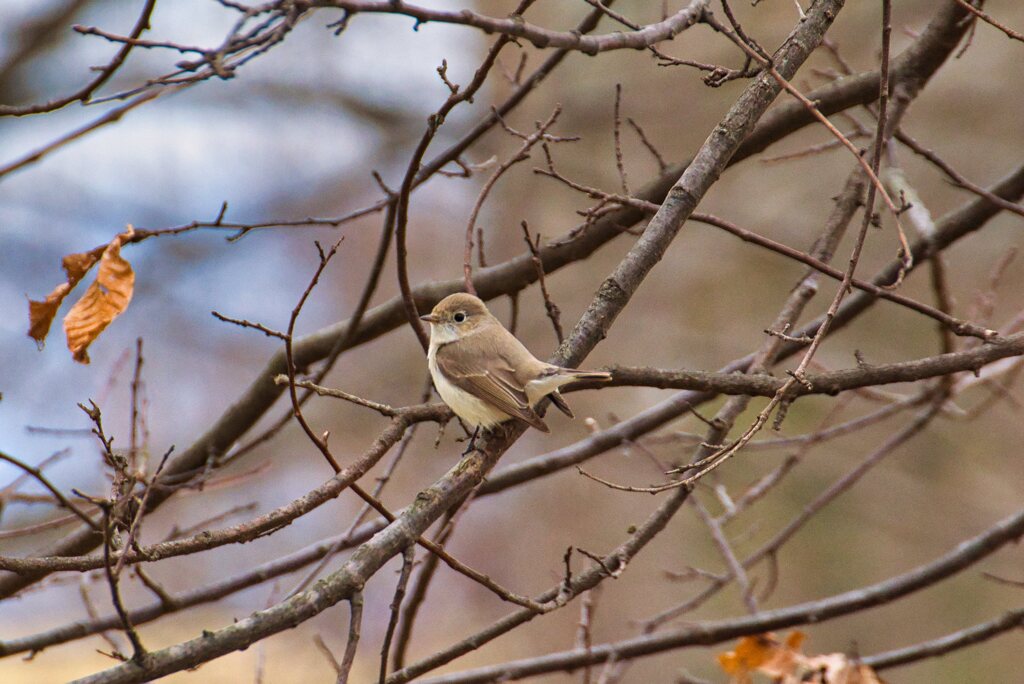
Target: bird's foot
471,447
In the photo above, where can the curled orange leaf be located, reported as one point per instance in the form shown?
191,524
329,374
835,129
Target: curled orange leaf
783,663
750,653
42,313
107,297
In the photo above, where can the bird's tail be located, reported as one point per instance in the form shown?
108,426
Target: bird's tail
556,396
589,375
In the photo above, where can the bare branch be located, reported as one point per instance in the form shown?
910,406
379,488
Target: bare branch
540,37
989,20
355,622
706,634
83,95
62,500
976,634
408,557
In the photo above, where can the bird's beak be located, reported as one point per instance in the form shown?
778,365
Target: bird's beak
430,318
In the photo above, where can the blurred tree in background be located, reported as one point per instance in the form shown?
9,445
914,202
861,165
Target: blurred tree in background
787,228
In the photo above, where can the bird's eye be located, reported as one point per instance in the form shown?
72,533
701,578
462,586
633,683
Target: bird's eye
459,317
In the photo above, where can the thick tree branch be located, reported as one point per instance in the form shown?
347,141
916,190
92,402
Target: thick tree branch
832,382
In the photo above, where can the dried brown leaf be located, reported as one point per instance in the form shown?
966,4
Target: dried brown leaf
107,297
749,655
838,668
77,265
785,659
783,663
42,313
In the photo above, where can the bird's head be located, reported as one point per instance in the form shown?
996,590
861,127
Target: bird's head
457,315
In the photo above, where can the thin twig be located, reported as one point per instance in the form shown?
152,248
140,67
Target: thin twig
136,388
522,154
584,632
554,313
133,530
110,117
355,622
62,500
662,164
617,135
85,93
958,326
242,323
989,20
382,409
434,122
318,641
870,169
408,557
90,610
956,176
728,554
138,650
976,634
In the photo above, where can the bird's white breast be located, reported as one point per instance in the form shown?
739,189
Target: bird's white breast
473,411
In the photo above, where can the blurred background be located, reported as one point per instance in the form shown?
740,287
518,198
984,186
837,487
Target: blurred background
296,133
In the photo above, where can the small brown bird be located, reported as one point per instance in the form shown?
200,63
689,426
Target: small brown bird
484,373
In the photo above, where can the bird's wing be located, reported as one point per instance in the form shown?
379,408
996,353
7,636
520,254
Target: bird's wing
463,364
